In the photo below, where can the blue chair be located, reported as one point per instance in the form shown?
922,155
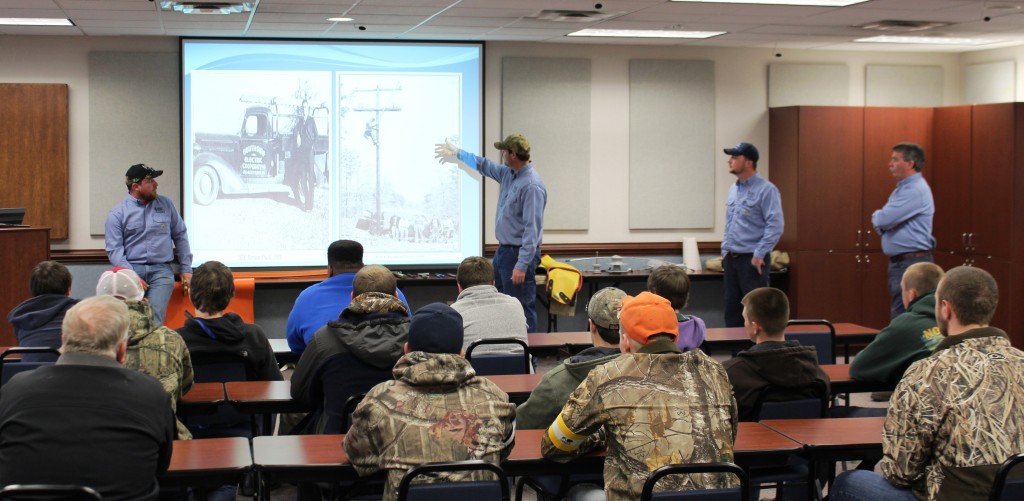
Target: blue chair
726,494
772,403
8,368
1005,488
49,492
492,365
221,367
348,409
446,491
823,341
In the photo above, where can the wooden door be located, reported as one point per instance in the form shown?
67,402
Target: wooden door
827,286
950,165
992,161
830,157
875,298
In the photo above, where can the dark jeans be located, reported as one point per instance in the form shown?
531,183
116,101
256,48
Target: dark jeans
740,278
505,259
862,485
896,276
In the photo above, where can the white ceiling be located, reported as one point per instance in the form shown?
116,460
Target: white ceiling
757,26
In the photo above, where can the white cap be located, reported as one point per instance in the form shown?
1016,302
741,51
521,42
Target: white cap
122,284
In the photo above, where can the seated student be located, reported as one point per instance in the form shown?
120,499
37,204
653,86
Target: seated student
486,312
655,404
436,408
671,282
87,420
353,353
153,348
910,337
772,360
37,320
214,331
547,399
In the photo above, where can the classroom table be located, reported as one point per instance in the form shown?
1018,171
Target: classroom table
202,398
207,462
282,352
841,382
736,338
265,398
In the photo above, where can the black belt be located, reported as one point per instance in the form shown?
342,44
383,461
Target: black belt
908,255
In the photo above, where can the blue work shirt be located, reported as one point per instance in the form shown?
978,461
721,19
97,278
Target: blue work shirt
753,217
143,233
521,200
905,223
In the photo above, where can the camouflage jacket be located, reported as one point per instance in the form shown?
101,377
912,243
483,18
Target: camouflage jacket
955,416
436,409
655,407
160,352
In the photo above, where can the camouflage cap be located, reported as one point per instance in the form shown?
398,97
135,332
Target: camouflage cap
515,143
603,308
138,172
121,283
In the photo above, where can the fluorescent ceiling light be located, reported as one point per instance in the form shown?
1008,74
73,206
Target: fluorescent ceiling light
340,19
34,21
927,40
810,3
201,7
645,33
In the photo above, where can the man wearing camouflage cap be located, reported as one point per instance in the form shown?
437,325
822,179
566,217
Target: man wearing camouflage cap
549,396
144,232
519,219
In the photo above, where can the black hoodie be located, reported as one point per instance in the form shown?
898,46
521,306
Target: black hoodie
780,364
230,334
37,321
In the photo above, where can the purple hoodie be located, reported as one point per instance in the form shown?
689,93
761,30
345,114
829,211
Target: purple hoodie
691,332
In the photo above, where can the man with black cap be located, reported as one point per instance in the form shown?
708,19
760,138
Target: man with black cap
436,409
144,232
519,219
753,225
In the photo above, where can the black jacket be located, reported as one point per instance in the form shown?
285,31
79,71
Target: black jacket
230,334
780,364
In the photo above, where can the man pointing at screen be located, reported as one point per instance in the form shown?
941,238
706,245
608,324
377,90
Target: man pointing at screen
519,221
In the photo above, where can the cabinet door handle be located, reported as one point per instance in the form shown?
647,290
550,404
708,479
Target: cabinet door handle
860,238
970,240
963,240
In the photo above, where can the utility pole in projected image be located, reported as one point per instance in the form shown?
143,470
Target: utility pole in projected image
373,134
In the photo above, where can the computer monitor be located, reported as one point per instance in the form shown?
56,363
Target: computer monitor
14,215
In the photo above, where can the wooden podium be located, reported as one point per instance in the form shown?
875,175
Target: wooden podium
23,248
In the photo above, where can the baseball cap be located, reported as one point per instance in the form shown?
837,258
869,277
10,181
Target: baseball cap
745,149
138,172
516,143
436,328
603,308
121,283
646,315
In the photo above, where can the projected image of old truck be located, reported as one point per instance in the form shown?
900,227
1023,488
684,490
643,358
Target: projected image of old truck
281,147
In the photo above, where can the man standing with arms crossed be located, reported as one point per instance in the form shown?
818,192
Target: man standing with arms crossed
144,232
753,225
905,223
519,221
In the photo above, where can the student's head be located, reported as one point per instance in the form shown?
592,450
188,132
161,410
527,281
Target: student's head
670,282
49,277
97,325
121,283
644,319
344,256
374,278
212,287
765,313
436,328
474,270
603,312
910,152
967,296
918,280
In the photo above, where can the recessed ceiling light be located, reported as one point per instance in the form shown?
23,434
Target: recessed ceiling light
340,19
645,33
204,7
35,21
927,40
808,3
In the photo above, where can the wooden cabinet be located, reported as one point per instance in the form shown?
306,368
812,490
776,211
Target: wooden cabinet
23,249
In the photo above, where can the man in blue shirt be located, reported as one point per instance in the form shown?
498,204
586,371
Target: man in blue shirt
905,223
144,232
320,303
753,225
519,221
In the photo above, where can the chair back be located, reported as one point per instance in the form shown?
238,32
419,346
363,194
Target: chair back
823,341
728,494
10,367
348,409
495,364
446,491
49,492
1005,487
776,402
341,376
220,367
